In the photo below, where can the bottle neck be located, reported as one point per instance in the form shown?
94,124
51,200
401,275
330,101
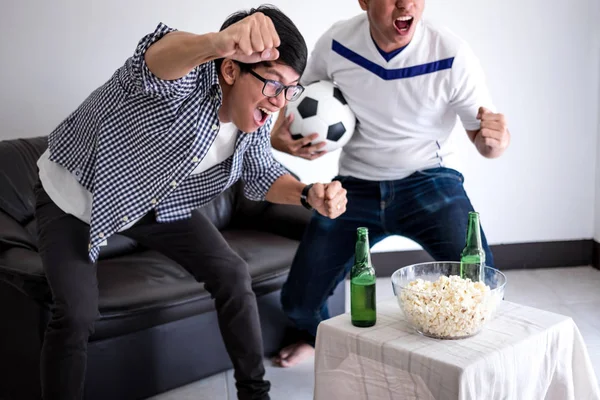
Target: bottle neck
473,233
362,254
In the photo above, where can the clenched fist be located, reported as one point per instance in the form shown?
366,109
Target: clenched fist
251,40
493,136
328,199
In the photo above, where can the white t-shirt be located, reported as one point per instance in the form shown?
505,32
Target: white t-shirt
406,107
72,198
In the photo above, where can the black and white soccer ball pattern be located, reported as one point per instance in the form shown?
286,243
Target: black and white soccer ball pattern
322,109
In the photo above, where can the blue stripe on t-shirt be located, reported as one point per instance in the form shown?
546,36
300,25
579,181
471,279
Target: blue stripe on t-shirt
388,55
389,74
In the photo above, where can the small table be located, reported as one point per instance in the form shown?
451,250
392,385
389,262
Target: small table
522,354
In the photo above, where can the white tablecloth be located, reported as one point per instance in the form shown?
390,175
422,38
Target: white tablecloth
522,354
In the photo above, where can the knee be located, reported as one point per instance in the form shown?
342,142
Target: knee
76,316
231,280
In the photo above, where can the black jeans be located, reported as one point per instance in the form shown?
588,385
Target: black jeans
193,243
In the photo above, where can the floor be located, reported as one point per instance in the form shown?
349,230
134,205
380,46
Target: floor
569,291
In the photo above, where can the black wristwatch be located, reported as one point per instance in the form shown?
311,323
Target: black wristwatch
304,197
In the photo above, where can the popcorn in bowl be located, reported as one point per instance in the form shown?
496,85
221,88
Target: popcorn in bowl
441,304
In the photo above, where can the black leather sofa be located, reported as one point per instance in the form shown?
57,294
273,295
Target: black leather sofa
158,328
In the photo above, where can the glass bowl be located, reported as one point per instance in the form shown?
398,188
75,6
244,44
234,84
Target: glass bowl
451,308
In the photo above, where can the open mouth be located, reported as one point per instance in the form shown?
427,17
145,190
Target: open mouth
403,24
261,115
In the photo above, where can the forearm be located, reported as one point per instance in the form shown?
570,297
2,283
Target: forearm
177,53
285,190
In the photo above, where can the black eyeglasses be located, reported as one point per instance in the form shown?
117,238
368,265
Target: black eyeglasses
273,88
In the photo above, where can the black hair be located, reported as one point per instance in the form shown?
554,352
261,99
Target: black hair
292,50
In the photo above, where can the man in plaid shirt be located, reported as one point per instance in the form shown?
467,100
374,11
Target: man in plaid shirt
181,121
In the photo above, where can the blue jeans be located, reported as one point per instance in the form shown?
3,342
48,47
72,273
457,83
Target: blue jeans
430,207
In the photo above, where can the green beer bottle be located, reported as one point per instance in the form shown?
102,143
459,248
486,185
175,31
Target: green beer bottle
472,258
362,283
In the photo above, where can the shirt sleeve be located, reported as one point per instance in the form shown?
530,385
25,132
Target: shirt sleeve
144,80
469,90
260,169
318,62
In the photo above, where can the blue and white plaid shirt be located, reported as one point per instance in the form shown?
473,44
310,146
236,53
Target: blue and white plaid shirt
135,140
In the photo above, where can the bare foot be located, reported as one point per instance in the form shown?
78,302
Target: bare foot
294,354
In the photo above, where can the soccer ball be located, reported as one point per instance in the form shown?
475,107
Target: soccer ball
322,109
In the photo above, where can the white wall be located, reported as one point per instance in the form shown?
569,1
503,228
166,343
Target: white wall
596,46
597,200
541,64
597,208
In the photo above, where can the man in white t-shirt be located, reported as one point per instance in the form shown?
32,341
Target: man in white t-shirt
406,81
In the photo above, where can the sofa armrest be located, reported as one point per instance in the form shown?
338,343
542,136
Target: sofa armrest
20,265
13,234
18,253
18,159
19,262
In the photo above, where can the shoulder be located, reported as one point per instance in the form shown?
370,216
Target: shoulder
350,26
209,75
347,28
442,38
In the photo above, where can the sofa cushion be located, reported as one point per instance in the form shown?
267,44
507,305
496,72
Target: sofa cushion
145,288
138,287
